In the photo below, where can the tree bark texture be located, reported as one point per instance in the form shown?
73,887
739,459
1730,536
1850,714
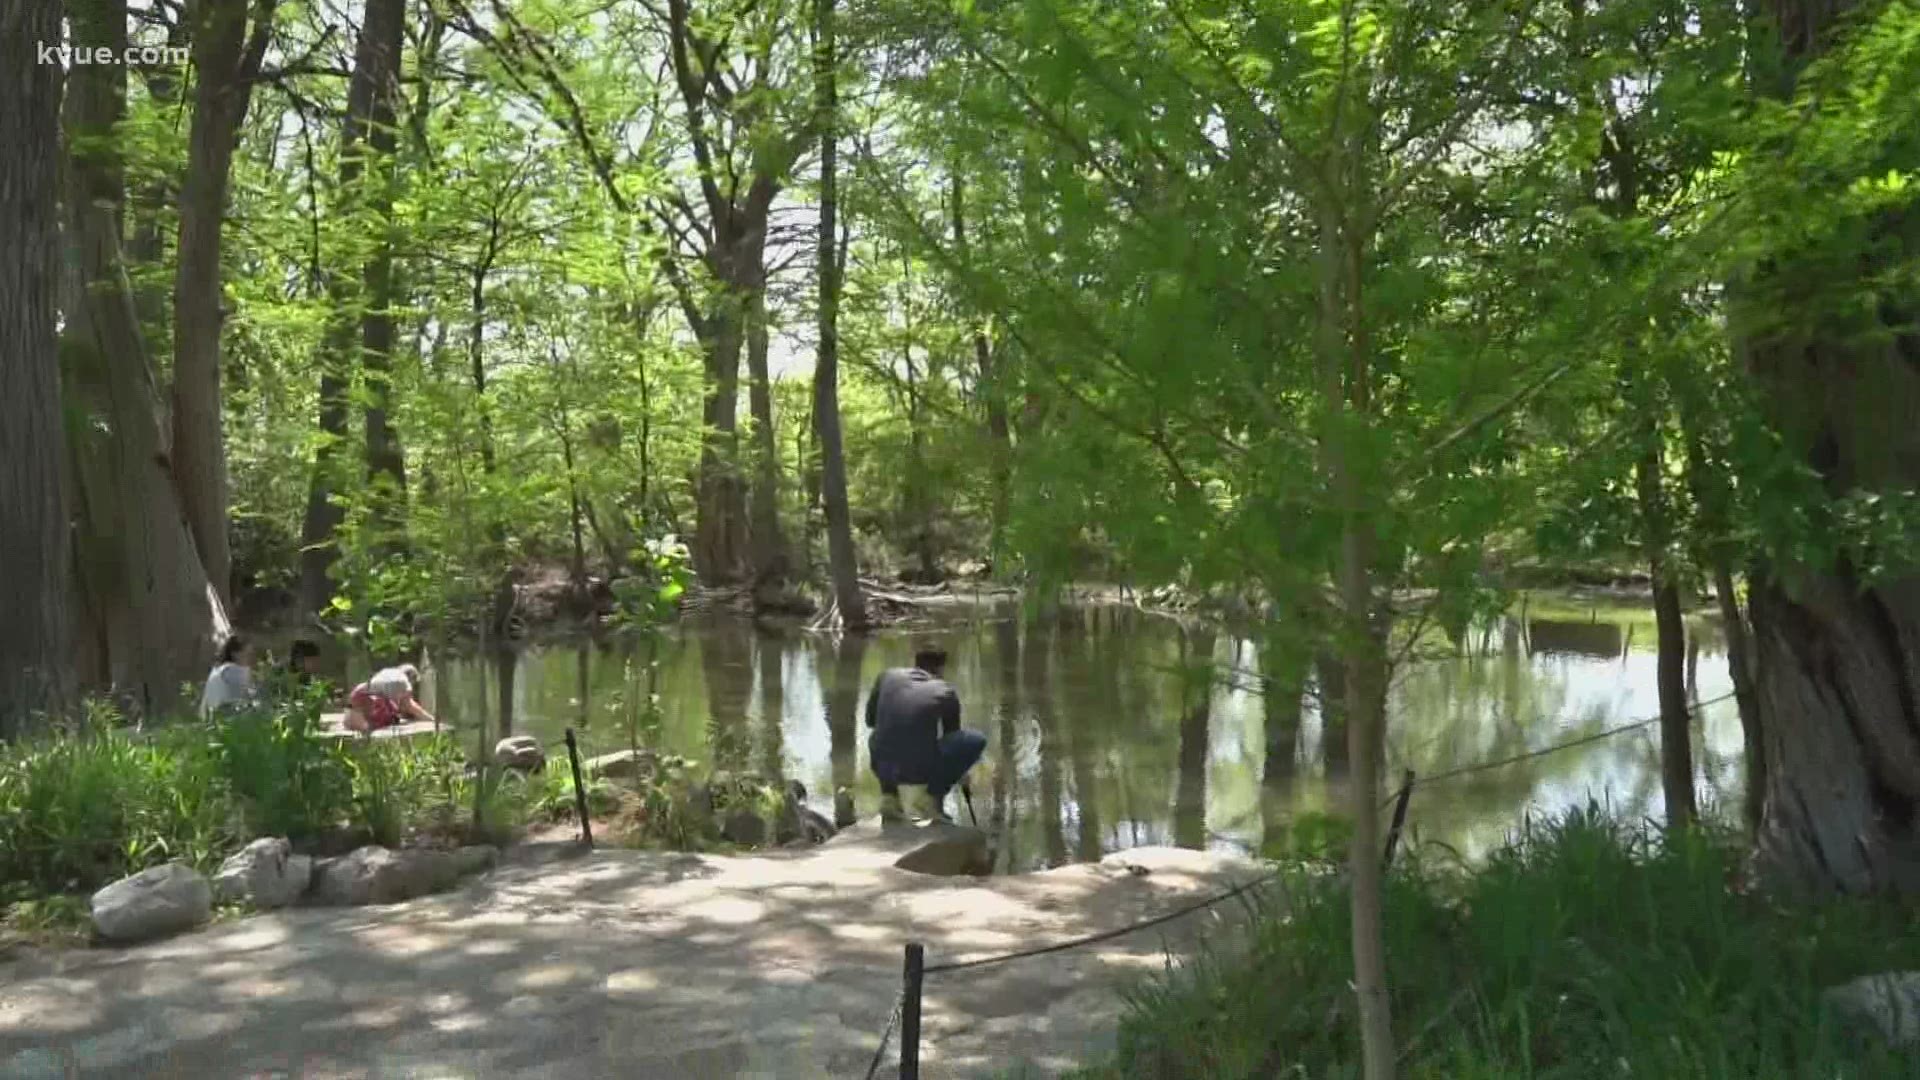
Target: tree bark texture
826,370
375,68
1676,739
151,617
36,637
770,561
225,59
1836,653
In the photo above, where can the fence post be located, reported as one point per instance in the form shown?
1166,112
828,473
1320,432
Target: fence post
579,790
1399,816
910,1012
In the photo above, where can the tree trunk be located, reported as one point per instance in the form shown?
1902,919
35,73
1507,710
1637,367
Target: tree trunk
386,467
826,370
153,616
1676,738
719,549
1836,654
1283,681
1196,718
1344,369
146,243
225,59
770,563
1712,497
999,430
36,637
375,68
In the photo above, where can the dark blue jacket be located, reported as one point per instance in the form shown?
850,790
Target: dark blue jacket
909,711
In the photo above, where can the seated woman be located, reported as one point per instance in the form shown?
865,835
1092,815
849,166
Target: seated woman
230,683
387,699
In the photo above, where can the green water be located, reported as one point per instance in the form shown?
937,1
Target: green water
1098,743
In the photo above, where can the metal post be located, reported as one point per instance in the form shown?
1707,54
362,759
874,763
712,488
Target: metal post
910,1013
579,790
1399,815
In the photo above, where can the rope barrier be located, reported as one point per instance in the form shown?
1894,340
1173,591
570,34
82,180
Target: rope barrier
1468,770
886,1036
1106,935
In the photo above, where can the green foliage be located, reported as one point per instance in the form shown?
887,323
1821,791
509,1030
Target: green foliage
286,779
79,808
1583,948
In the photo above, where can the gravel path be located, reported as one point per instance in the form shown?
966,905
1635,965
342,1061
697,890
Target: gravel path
624,963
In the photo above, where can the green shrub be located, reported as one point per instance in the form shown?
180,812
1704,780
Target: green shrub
1582,949
83,805
289,779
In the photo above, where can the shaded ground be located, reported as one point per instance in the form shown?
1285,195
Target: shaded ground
622,963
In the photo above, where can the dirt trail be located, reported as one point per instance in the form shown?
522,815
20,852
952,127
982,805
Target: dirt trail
623,963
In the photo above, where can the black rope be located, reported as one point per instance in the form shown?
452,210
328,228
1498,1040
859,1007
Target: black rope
886,1036
1106,935
1467,770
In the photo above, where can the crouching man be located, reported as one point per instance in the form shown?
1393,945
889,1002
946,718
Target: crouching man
917,737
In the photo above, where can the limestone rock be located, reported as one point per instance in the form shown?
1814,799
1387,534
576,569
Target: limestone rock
621,765
744,827
476,857
1884,1006
946,850
375,875
152,903
265,873
520,752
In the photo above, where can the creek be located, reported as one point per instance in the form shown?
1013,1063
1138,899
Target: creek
1102,738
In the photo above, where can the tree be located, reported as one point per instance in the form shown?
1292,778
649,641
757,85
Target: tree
226,59
359,308
1824,313
35,643
731,96
826,369
150,615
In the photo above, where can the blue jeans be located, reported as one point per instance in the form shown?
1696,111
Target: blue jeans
956,754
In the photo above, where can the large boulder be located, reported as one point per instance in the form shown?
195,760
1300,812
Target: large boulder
621,765
152,903
265,873
1884,1007
744,827
376,875
521,752
946,850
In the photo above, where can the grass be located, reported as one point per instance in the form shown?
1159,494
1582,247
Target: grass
91,802
1585,948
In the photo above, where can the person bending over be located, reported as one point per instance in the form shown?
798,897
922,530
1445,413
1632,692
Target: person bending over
387,699
917,737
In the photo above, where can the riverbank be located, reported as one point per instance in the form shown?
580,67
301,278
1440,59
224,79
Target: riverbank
626,963
1584,948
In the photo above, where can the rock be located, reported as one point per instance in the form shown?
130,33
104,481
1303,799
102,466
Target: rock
621,765
265,873
375,875
520,752
1885,1006
843,813
949,851
152,903
476,857
744,827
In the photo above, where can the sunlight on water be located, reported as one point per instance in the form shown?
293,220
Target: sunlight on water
1097,743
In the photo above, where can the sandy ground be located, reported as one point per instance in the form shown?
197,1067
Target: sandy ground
625,963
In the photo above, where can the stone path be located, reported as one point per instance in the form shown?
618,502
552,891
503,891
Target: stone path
624,963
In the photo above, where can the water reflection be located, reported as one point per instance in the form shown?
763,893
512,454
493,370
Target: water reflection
1109,728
